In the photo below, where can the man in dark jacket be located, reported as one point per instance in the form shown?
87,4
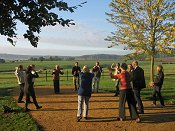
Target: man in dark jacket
138,84
75,72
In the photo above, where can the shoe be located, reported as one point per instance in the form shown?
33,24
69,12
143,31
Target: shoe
20,101
138,120
85,118
116,95
26,110
162,106
79,118
120,119
140,112
39,107
30,102
154,105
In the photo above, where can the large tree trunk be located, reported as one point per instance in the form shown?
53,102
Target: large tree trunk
152,69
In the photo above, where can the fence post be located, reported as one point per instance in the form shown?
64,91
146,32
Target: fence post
67,75
46,75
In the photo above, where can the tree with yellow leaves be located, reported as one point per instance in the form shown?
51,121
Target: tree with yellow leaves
144,26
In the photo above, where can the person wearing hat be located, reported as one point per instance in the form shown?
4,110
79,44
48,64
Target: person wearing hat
84,92
126,94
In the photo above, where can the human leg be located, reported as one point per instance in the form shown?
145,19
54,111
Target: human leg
32,94
75,83
154,95
21,86
93,84
97,82
86,107
122,100
132,104
80,106
56,86
139,101
160,96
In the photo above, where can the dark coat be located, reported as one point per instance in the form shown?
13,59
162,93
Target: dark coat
158,81
28,81
76,70
138,79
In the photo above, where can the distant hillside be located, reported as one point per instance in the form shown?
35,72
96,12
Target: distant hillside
14,57
84,57
98,57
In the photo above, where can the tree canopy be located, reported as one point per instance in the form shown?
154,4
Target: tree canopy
35,14
144,26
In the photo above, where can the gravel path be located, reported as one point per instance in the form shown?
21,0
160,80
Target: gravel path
59,113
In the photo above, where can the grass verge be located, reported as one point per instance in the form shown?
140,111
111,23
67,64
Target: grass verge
18,120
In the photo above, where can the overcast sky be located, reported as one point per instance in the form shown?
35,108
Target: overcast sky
86,37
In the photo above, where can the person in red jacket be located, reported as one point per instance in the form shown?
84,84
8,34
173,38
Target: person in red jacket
126,94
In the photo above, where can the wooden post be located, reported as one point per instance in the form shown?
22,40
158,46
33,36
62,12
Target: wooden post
46,75
67,75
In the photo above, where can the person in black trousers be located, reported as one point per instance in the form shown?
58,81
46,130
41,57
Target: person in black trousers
126,94
157,85
138,84
56,78
29,90
75,72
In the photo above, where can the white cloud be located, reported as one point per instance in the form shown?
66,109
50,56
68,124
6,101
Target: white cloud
75,40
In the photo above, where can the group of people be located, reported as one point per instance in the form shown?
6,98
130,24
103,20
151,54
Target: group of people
130,81
26,85
129,85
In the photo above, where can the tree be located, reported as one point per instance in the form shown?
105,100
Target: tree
35,14
144,26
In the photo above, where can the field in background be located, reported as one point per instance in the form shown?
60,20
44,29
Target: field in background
8,79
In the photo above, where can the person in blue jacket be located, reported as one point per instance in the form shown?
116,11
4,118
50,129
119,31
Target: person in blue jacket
84,92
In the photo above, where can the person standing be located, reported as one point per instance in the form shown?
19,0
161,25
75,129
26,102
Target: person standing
130,70
157,86
75,72
97,70
117,70
56,79
20,78
84,92
138,84
126,94
29,89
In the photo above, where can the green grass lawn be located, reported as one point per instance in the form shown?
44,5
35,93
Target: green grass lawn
17,120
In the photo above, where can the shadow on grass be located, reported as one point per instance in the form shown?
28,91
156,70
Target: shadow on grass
7,102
